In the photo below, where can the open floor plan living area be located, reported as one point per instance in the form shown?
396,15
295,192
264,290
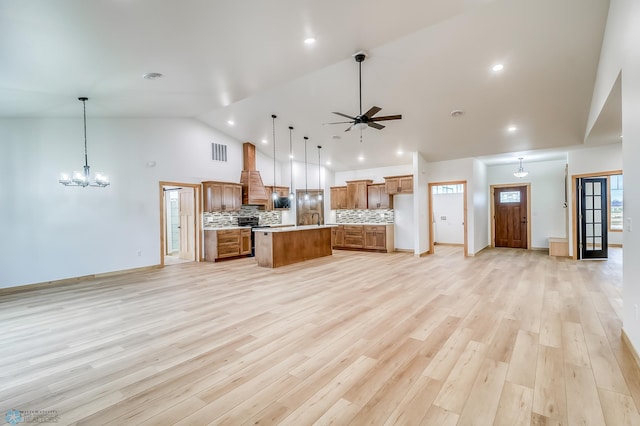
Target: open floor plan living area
321,212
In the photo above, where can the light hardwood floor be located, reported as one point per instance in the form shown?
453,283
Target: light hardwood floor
507,337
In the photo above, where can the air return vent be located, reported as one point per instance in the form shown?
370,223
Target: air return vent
218,152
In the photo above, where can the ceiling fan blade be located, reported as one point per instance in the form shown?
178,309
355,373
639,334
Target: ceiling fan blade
372,111
338,122
375,125
387,117
344,115
349,128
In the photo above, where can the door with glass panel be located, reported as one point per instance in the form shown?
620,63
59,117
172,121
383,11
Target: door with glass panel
592,236
510,211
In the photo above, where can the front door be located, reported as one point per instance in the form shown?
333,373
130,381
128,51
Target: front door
593,238
510,209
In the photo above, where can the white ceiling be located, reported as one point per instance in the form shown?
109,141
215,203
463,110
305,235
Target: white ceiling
245,60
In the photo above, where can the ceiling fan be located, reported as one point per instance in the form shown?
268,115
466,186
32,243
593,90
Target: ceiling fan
362,121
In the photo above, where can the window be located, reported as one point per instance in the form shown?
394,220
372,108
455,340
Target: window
447,189
510,197
615,203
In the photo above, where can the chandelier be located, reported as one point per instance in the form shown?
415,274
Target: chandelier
84,178
521,172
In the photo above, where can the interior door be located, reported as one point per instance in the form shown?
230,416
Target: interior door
187,224
510,209
593,237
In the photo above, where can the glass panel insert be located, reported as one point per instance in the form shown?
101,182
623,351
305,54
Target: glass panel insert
510,197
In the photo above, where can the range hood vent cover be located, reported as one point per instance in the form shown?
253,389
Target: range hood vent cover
253,190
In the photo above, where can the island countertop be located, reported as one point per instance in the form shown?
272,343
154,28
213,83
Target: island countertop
293,228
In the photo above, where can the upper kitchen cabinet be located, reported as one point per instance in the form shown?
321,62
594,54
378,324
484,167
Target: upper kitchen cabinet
338,197
378,197
221,196
399,184
357,193
283,192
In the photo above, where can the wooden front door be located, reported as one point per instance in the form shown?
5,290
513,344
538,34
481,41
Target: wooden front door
187,224
510,209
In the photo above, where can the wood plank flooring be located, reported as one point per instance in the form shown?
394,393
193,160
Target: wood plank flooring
508,337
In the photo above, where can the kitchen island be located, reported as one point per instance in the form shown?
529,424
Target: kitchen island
291,244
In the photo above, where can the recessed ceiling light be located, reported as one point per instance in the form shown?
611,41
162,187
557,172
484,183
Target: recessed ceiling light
328,163
265,141
309,41
152,76
497,67
231,122
291,156
399,152
360,158
512,129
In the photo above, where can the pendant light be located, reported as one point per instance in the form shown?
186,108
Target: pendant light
319,181
84,178
291,193
274,194
521,172
306,175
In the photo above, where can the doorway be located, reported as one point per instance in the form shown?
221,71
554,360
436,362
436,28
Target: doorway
510,212
593,218
448,214
179,224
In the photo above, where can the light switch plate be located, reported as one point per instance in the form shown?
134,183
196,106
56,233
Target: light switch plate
628,226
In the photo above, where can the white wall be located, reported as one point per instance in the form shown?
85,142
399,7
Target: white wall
448,218
619,53
53,232
479,220
547,196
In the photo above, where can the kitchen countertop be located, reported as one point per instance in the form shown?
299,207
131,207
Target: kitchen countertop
293,228
362,223
222,228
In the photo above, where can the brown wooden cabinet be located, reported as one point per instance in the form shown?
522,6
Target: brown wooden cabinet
357,193
353,236
399,184
375,237
378,197
282,191
221,196
363,237
337,236
338,197
223,243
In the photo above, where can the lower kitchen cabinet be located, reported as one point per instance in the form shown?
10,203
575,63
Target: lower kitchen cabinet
363,237
223,243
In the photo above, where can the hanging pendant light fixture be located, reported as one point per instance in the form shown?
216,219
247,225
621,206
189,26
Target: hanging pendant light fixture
84,178
319,180
274,194
306,175
521,172
292,194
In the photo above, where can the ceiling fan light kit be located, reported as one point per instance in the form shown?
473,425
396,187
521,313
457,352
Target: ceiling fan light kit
521,172
362,121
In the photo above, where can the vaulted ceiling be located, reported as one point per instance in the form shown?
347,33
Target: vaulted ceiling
241,61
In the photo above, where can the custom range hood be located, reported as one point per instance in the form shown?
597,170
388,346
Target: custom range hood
253,190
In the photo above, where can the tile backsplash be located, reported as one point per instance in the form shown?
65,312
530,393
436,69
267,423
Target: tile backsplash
228,219
364,216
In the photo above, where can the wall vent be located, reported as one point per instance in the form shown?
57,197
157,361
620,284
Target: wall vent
218,152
